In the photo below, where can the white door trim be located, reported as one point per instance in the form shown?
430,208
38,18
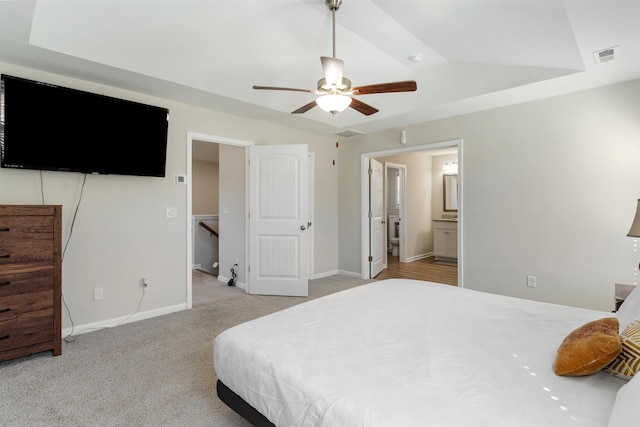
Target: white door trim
191,136
364,196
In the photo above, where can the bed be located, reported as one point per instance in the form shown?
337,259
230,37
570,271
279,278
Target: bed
403,352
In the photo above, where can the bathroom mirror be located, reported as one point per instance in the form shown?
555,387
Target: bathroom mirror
450,191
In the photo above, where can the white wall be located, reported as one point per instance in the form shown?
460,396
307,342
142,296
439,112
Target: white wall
205,187
121,233
550,189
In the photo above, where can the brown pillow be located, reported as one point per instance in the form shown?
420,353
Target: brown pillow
589,348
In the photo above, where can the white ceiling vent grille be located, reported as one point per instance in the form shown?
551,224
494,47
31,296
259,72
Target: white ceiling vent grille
605,55
349,132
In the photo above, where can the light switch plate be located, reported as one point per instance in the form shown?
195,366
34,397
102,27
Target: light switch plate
172,212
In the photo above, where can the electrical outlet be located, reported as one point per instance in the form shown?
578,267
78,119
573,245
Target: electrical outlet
144,283
98,294
531,281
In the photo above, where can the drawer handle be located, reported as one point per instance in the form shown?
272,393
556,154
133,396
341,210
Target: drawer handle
5,256
4,337
5,229
5,310
5,283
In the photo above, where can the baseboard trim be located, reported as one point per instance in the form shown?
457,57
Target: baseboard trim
325,274
237,284
350,274
110,323
417,257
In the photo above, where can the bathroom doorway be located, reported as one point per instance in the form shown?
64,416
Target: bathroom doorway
434,149
395,208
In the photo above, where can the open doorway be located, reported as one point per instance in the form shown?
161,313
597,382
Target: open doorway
232,208
424,233
205,195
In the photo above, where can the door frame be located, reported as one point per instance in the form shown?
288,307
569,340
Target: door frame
364,196
191,136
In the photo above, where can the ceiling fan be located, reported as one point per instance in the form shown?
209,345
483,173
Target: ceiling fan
334,90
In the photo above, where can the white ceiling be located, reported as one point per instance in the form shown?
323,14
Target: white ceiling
477,54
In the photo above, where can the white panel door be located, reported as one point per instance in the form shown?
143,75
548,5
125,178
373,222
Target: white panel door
278,220
376,215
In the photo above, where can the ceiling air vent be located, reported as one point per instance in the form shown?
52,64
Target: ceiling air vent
605,55
349,132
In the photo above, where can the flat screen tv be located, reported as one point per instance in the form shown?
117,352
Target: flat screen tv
49,127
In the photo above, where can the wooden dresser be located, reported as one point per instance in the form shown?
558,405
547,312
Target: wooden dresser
30,280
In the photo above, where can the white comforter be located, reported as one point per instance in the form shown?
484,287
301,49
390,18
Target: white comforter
411,353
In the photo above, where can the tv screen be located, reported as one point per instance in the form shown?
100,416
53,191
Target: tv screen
49,127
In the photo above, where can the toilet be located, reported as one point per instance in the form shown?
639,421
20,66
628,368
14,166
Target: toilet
394,233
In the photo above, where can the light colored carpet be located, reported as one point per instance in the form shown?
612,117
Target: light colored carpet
155,372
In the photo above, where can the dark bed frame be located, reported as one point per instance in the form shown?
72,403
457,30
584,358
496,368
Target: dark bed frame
240,406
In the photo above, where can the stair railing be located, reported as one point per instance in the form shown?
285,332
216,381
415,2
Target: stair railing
209,229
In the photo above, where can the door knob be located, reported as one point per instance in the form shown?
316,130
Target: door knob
303,227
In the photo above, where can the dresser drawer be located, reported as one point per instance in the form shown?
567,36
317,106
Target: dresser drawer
25,305
26,319
26,238
28,330
25,279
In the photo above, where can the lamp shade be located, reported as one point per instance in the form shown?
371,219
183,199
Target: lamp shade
333,103
635,226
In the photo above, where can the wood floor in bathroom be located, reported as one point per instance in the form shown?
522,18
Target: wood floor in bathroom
422,269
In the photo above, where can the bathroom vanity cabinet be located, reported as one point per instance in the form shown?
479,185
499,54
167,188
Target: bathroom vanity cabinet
445,240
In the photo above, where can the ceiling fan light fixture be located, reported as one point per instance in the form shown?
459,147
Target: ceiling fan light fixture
334,90
334,102
325,87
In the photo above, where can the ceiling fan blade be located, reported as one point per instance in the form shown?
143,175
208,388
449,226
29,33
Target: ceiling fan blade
406,86
332,68
305,108
282,88
363,108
